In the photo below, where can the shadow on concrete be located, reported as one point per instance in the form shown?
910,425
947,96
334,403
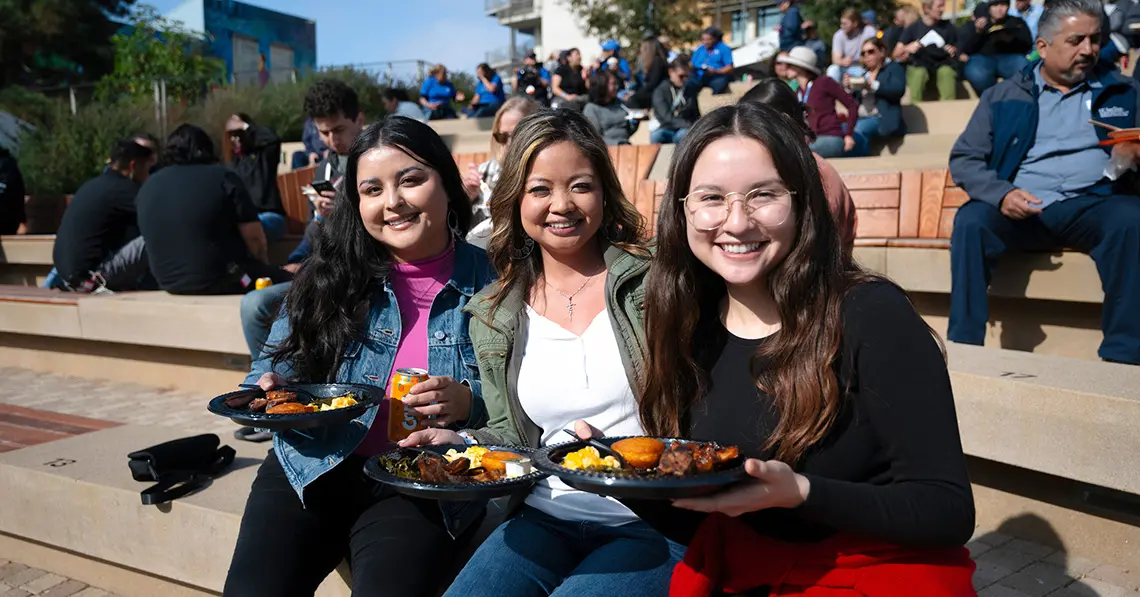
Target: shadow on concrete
1039,564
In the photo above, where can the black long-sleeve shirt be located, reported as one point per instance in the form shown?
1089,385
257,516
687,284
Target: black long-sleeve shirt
257,167
1008,36
892,466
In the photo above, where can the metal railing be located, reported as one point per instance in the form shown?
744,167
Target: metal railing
505,9
503,54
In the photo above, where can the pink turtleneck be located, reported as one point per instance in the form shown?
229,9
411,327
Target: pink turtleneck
415,284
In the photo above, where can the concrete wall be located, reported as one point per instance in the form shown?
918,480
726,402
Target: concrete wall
561,30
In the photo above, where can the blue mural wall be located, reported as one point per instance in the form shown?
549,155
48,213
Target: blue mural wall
223,19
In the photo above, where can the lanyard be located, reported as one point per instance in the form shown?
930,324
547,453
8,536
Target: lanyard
806,92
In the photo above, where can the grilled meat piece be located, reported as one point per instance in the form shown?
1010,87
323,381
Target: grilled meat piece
726,455
432,468
676,461
241,401
258,405
704,457
276,397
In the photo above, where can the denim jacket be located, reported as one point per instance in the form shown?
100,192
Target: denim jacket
450,353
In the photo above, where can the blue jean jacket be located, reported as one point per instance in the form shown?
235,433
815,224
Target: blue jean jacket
450,353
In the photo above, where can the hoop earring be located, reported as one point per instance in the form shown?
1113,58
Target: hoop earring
520,253
453,223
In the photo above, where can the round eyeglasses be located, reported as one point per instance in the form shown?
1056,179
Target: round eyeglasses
708,209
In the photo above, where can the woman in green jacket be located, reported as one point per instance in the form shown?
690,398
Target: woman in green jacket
559,339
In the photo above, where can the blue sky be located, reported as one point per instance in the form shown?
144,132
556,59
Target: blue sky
457,33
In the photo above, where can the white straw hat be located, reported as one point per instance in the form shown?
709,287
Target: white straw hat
801,56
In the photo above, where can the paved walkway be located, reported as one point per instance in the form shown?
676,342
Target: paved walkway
1007,567
18,580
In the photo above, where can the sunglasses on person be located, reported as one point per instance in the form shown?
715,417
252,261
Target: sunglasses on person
870,51
502,137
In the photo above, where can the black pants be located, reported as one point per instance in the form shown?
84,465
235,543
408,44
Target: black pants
396,546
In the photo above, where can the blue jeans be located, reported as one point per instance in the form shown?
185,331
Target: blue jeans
1107,228
258,310
274,225
482,110
866,131
828,147
718,83
663,136
982,71
535,555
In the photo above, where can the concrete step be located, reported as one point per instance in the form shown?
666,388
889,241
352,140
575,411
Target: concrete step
939,117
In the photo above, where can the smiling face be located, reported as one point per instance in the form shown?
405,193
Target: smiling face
561,206
403,204
741,251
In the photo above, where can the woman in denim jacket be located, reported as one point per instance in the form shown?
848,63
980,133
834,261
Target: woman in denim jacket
384,289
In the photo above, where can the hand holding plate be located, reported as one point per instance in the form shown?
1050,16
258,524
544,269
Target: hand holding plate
776,485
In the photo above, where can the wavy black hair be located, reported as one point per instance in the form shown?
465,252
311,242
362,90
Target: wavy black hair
189,144
329,302
329,97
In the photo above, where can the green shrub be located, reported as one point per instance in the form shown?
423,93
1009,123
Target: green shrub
56,160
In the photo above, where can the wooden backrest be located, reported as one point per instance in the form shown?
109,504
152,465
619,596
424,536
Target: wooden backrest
295,202
632,163
911,204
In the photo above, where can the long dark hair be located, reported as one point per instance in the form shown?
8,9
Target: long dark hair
622,224
777,94
683,296
189,144
330,298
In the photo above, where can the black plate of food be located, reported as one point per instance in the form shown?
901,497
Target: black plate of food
446,472
297,406
663,468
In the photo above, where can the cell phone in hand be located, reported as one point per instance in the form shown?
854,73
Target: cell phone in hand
324,186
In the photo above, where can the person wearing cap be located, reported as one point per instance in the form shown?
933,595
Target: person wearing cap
533,80
833,136
791,34
712,62
847,45
613,61
869,20
996,44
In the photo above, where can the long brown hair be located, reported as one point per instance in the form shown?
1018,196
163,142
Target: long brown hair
683,295
525,106
622,224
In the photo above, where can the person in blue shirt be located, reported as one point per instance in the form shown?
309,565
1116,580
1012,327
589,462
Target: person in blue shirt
1028,12
712,62
612,60
489,94
791,32
437,93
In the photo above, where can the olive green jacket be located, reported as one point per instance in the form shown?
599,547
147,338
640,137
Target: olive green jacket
499,339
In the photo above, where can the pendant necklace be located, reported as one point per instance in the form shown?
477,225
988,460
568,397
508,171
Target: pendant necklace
570,296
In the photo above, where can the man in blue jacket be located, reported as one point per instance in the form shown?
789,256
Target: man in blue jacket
1038,177
791,32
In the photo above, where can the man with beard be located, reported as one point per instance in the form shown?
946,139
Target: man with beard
1038,177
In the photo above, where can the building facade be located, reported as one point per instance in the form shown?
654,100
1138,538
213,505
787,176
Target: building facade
258,45
541,26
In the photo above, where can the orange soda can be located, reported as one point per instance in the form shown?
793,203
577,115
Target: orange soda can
402,421
263,283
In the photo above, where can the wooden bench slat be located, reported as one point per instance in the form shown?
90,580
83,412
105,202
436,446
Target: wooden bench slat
859,181
882,223
930,202
875,198
910,188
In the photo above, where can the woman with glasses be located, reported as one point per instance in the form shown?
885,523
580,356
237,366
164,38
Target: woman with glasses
480,181
879,93
560,345
764,335
774,94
